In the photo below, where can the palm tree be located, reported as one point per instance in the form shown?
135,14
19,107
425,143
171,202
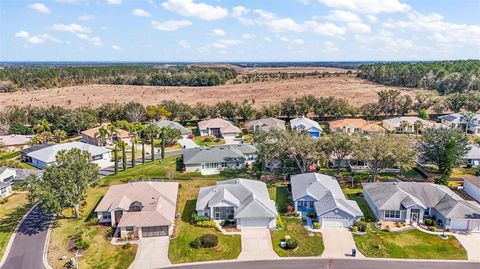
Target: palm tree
151,131
404,125
102,133
112,130
42,126
59,135
115,154
418,125
468,118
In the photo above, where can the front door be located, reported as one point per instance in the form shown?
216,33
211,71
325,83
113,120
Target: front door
118,216
414,215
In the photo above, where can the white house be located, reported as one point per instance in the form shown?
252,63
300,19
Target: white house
6,181
305,124
457,121
471,185
395,124
219,128
473,156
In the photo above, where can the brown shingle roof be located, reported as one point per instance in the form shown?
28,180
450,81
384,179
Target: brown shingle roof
356,123
120,132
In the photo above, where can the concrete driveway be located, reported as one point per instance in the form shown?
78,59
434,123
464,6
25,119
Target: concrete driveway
152,253
187,143
256,245
338,243
471,242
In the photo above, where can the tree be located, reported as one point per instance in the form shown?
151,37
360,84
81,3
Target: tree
468,119
115,157
444,148
418,126
135,112
59,135
124,154
143,150
42,126
151,131
157,112
340,146
65,183
102,133
404,125
134,139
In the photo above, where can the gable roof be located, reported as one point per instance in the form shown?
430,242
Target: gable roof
457,118
473,152
395,122
400,195
306,122
474,180
250,197
173,125
20,174
158,201
355,123
224,125
49,154
214,154
119,132
267,124
326,192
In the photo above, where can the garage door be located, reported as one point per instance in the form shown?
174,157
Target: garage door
459,224
154,231
474,226
335,222
255,223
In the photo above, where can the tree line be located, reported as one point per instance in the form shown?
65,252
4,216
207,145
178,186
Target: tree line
34,77
444,76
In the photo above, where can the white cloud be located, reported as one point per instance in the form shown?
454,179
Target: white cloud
246,21
140,13
372,18
96,41
224,43
218,32
72,28
359,28
115,47
35,40
22,34
326,29
248,36
388,41
368,6
38,39
184,44
190,9
343,16
329,46
114,2
70,1
171,25
268,39
275,24
40,8
298,41
85,17
239,11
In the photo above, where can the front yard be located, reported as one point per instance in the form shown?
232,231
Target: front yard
208,141
309,244
10,214
412,244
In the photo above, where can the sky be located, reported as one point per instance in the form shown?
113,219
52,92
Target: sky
239,30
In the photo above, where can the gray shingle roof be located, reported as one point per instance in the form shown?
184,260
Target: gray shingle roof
473,152
49,154
212,155
306,122
267,124
173,125
474,180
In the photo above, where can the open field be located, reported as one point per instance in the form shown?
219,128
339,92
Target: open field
355,90
294,69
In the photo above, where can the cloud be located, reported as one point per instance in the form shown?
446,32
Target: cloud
114,2
329,46
224,43
275,24
95,40
372,18
359,28
248,36
115,47
326,29
72,28
70,1
343,16
388,41
188,8
37,39
171,25
40,8
85,17
368,6
218,32
298,41
184,44
140,13
239,11
23,34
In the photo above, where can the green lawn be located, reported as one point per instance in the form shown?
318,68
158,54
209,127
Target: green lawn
411,244
352,194
10,214
282,199
212,141
308,244
9,155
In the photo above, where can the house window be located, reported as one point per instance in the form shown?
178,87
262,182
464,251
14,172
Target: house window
311,204
129,228
392,214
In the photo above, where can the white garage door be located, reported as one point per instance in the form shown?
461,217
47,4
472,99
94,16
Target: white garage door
335,222
255,222
474,226
459,224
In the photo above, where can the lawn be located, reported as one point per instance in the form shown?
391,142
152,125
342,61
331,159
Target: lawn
9,155
308,244
459,172
353,194
180,250
10,214
282,199
208,142
411,244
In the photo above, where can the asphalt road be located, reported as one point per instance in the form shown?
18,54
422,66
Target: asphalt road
27,248
334,264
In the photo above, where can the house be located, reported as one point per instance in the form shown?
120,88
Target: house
174,125
12,142
46,156
307,125
140,209
456,121
395,124
211,160
244,201
17,175
6,182
91,136
322,194
471,185
358,126
219,128
412,201
266,124
472,158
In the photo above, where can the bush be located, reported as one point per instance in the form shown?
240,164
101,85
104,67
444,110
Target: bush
362,226
110,232
432,228
316,225
196,243
206,224
227,223
205,241
127,245
4,200
477,173
311,214
196,218
207,139
428,222
290,244
355,229
93,221
80,244
387,228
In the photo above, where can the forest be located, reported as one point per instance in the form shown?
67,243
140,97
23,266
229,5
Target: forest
444,76
14,78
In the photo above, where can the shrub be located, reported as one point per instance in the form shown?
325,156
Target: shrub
80,244
432,228
387,228
205,241
477,173
311,214
355,229
196,243
362,226
316,225
93,221
289,209
206,224
398,224
196,218
110,232
127,245
290,244
428,222
207,139
4,200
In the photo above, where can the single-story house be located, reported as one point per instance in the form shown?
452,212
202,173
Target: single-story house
46,156
395,124
245,201
6,181
266,124
12,142
140,209
471,185
211,160
456,121
17,175
323,195
91,136
473,155
174,125
352,126
305,124
219,128
412,201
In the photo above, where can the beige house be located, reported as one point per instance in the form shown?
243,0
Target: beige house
395,124
219,128
140,209
351,126
91,136
14,142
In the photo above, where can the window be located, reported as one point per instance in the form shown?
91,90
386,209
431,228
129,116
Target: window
311,204
129,228
392,214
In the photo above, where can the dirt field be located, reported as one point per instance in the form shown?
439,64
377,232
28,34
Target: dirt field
295,70
356,91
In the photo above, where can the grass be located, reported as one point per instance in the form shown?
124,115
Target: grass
10,214
459,172
9,155
282,199
412,244
180,250
308,244
201,141
353,194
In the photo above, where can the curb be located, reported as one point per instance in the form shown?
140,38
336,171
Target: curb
45,248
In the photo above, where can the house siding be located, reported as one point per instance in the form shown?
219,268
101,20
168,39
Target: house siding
472,190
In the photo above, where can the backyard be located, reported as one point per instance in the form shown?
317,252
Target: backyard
10,214
355,194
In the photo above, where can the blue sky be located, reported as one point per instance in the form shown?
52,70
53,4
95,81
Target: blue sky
228,30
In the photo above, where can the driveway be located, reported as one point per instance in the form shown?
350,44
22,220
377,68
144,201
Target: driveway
231,141
256,245
152,253
338,243
471,242
187,143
